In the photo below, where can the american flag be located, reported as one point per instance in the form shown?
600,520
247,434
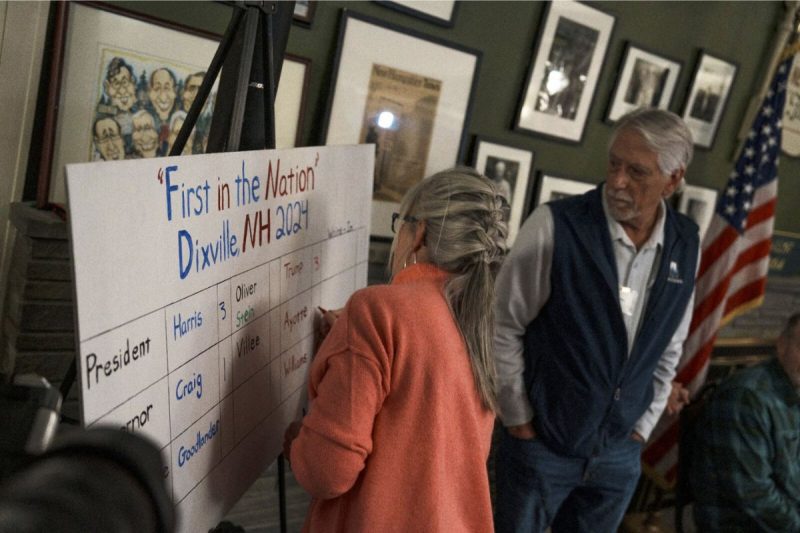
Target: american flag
733,265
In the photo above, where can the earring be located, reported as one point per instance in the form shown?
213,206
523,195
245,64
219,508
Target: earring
413,260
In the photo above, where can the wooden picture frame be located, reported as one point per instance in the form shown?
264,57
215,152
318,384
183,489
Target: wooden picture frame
707,97
110,55
440,12
564,72
408,93
511,168
644,79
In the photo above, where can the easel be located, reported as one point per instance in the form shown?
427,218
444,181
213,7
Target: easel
251,52
250,56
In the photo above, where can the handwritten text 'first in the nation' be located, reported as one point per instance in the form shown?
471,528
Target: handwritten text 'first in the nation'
259,227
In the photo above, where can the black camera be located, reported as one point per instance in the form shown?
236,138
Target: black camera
74,480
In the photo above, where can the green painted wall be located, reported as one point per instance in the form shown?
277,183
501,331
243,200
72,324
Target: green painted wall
506,32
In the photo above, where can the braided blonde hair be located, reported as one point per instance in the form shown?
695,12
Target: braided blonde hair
466,221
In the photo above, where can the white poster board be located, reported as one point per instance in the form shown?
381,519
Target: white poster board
197,282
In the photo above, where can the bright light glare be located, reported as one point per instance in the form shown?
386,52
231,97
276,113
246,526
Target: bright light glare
556,82
385,119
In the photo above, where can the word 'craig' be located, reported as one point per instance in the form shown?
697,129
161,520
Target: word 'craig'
184,389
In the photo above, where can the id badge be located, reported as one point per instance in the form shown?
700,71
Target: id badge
627,300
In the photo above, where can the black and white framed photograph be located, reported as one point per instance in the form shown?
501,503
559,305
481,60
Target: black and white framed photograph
790,132
563,75
708,95
645,79
510,168
698,203
407,93
304,12
441,12
553,188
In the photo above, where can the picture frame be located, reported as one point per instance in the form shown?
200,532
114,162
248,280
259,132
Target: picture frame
708,96
99,35
790,130
563,74
408,93
291,100
510,168
304,11
644,79
552,187
441,12
698,203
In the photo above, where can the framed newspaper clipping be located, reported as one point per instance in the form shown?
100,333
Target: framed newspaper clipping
407,93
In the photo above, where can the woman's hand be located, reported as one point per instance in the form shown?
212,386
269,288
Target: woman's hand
329,318
288,436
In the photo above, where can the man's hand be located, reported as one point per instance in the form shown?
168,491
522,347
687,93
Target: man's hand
678,397
523,431
638,438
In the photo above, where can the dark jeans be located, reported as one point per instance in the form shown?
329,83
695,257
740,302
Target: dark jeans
537,488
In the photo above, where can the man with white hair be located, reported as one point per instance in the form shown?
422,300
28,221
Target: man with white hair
593,305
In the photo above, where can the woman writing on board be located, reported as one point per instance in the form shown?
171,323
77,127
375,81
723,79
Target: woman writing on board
403,386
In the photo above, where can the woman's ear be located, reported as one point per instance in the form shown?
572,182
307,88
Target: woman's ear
419,235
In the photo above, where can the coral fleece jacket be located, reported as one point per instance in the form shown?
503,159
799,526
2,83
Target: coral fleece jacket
396,438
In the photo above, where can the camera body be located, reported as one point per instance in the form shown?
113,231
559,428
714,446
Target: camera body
29,415
78,480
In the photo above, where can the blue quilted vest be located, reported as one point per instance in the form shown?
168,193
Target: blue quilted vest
586,393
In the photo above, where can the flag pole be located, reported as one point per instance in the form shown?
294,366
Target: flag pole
734,263
787,29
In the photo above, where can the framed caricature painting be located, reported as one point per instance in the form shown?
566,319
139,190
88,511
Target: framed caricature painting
407,93
645,79
510,168
708,96
564,72
128,82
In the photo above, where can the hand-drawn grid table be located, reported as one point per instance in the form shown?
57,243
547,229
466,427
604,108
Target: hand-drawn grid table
212,356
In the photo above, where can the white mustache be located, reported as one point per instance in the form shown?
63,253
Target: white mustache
620,195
